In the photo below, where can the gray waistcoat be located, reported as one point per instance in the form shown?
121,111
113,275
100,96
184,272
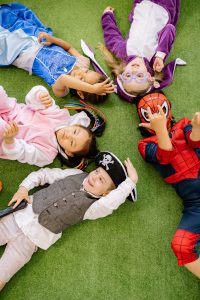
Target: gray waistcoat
62,204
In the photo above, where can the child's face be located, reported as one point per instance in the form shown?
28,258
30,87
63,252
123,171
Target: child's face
86,75
98,182
72,139
135,77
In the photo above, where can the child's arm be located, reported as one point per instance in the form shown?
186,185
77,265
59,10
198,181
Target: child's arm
166,39
158,124
193,134
38,178
107,204
164,151
112,36
59,42
68,81
18,149
38,98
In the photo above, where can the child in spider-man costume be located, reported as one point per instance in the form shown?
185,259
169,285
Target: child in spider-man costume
175,152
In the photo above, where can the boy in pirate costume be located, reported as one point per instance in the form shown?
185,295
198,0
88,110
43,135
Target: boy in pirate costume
175,153
72,196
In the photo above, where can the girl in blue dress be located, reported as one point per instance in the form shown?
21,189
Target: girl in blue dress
63,68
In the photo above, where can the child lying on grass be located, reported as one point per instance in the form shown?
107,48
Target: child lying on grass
175,152
72,196
36,132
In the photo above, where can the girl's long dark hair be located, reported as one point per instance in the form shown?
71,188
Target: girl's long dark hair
80,158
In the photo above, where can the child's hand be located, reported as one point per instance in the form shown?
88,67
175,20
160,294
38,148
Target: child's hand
195,134
196,120
131,171
45,99
21,194
105,87
47,37
10,132
158,64
108,9
158,121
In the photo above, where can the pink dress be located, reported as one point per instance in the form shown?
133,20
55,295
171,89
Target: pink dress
35,142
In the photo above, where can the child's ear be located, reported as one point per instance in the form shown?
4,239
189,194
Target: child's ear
106,193
81,95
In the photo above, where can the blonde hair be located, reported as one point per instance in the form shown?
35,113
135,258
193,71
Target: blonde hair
117,67
159,76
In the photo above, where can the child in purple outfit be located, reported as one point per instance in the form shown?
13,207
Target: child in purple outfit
142,55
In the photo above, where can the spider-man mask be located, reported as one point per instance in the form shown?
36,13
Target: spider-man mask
152,100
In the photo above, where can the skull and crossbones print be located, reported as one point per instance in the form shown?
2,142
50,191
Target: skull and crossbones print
107,159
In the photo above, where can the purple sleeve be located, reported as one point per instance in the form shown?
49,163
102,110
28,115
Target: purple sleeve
166,38
112,36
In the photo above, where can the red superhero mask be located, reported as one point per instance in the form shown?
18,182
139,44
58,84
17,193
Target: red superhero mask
152,100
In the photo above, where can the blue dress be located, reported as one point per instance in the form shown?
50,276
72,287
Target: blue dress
20,26
51,62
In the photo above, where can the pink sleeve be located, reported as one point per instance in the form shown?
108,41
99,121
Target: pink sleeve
32,98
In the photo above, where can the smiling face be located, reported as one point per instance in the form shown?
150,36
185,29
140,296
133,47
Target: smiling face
98,182
86,75
136,78
73,139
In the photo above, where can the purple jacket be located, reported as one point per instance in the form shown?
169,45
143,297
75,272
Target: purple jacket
118,45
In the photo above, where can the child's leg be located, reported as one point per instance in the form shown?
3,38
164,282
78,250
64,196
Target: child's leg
18,251
194,267
184,245
15,13
9,110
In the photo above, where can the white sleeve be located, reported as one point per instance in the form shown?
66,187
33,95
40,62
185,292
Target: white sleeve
47,175
80,118
33,101
26,153
160,54
105,205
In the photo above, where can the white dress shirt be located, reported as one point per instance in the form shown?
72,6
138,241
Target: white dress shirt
27,220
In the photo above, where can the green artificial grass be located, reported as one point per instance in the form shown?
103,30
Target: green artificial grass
127,255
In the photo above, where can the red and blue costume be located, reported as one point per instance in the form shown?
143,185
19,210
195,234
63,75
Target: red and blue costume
181,168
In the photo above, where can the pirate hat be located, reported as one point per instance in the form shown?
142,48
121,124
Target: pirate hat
115,169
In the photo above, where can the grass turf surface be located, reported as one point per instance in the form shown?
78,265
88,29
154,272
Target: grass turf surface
127,255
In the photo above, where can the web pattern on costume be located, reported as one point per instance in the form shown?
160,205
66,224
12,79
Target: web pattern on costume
182,170
185,162
184,245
